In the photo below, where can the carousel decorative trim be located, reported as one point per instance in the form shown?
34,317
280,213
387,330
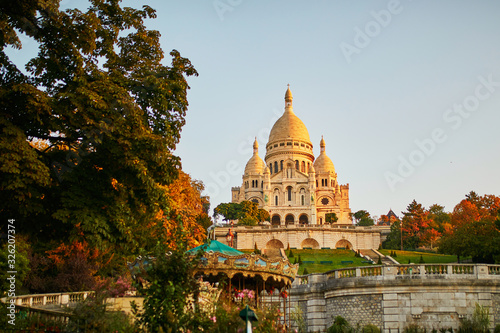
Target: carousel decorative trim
249,265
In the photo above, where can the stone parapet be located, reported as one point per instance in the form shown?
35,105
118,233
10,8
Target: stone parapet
433,296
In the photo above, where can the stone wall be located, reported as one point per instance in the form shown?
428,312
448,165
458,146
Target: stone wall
495,306
393,297
294,236
359,309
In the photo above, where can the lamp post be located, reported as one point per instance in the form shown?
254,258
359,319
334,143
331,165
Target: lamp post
248,315
401,229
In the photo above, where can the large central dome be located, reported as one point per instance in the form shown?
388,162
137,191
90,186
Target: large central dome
289,126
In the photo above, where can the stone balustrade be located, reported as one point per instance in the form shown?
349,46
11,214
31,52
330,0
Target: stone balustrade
56,299
432,296
413,270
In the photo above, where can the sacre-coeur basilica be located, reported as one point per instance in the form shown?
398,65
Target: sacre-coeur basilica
298,190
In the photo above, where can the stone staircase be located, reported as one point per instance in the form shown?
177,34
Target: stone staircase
273,253
374,257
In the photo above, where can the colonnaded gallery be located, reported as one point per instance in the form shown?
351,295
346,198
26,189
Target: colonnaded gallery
297,190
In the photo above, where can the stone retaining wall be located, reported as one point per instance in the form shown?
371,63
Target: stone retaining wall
393,297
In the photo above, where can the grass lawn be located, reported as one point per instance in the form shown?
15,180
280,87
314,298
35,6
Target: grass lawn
312,259
414,257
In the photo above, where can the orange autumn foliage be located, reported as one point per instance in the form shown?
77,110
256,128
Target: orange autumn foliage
187,206
76,266
475,208
81,250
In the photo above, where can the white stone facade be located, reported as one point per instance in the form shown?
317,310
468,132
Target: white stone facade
293,186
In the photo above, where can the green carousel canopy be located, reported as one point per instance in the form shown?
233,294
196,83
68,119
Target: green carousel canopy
219,258
215,246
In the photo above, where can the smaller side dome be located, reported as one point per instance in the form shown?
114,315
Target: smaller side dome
255,164
323,163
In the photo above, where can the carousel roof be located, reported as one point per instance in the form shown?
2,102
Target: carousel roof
216,247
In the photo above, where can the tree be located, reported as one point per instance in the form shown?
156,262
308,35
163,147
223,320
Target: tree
246,212
171,287
475,229
186,203
480,240
475,208
14,258
414,222
363,218
331,218
229,211
109,114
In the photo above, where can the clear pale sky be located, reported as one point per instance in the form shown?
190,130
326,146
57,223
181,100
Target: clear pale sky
405,93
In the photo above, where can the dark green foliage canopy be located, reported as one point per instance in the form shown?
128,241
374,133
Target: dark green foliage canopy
363,218
247,212
331,218
88,129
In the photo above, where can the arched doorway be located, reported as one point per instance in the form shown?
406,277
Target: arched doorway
289,219
343,244
274,244
276,220
310,243
303,219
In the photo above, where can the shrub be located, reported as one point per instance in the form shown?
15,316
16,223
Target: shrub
497,329
300,260
298,317
370,328
290,254
340,325
256,249
479,323
421,260
305,271
379,261
414,328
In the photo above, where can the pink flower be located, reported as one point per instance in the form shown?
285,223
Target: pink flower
214,319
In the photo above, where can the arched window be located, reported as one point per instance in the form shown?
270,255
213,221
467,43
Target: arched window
303,200
297,164
289,190
281,165
276,167
316,183
262,184
303,167
276,200
271,168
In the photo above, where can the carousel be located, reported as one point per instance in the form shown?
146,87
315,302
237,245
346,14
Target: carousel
238,271
227,272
